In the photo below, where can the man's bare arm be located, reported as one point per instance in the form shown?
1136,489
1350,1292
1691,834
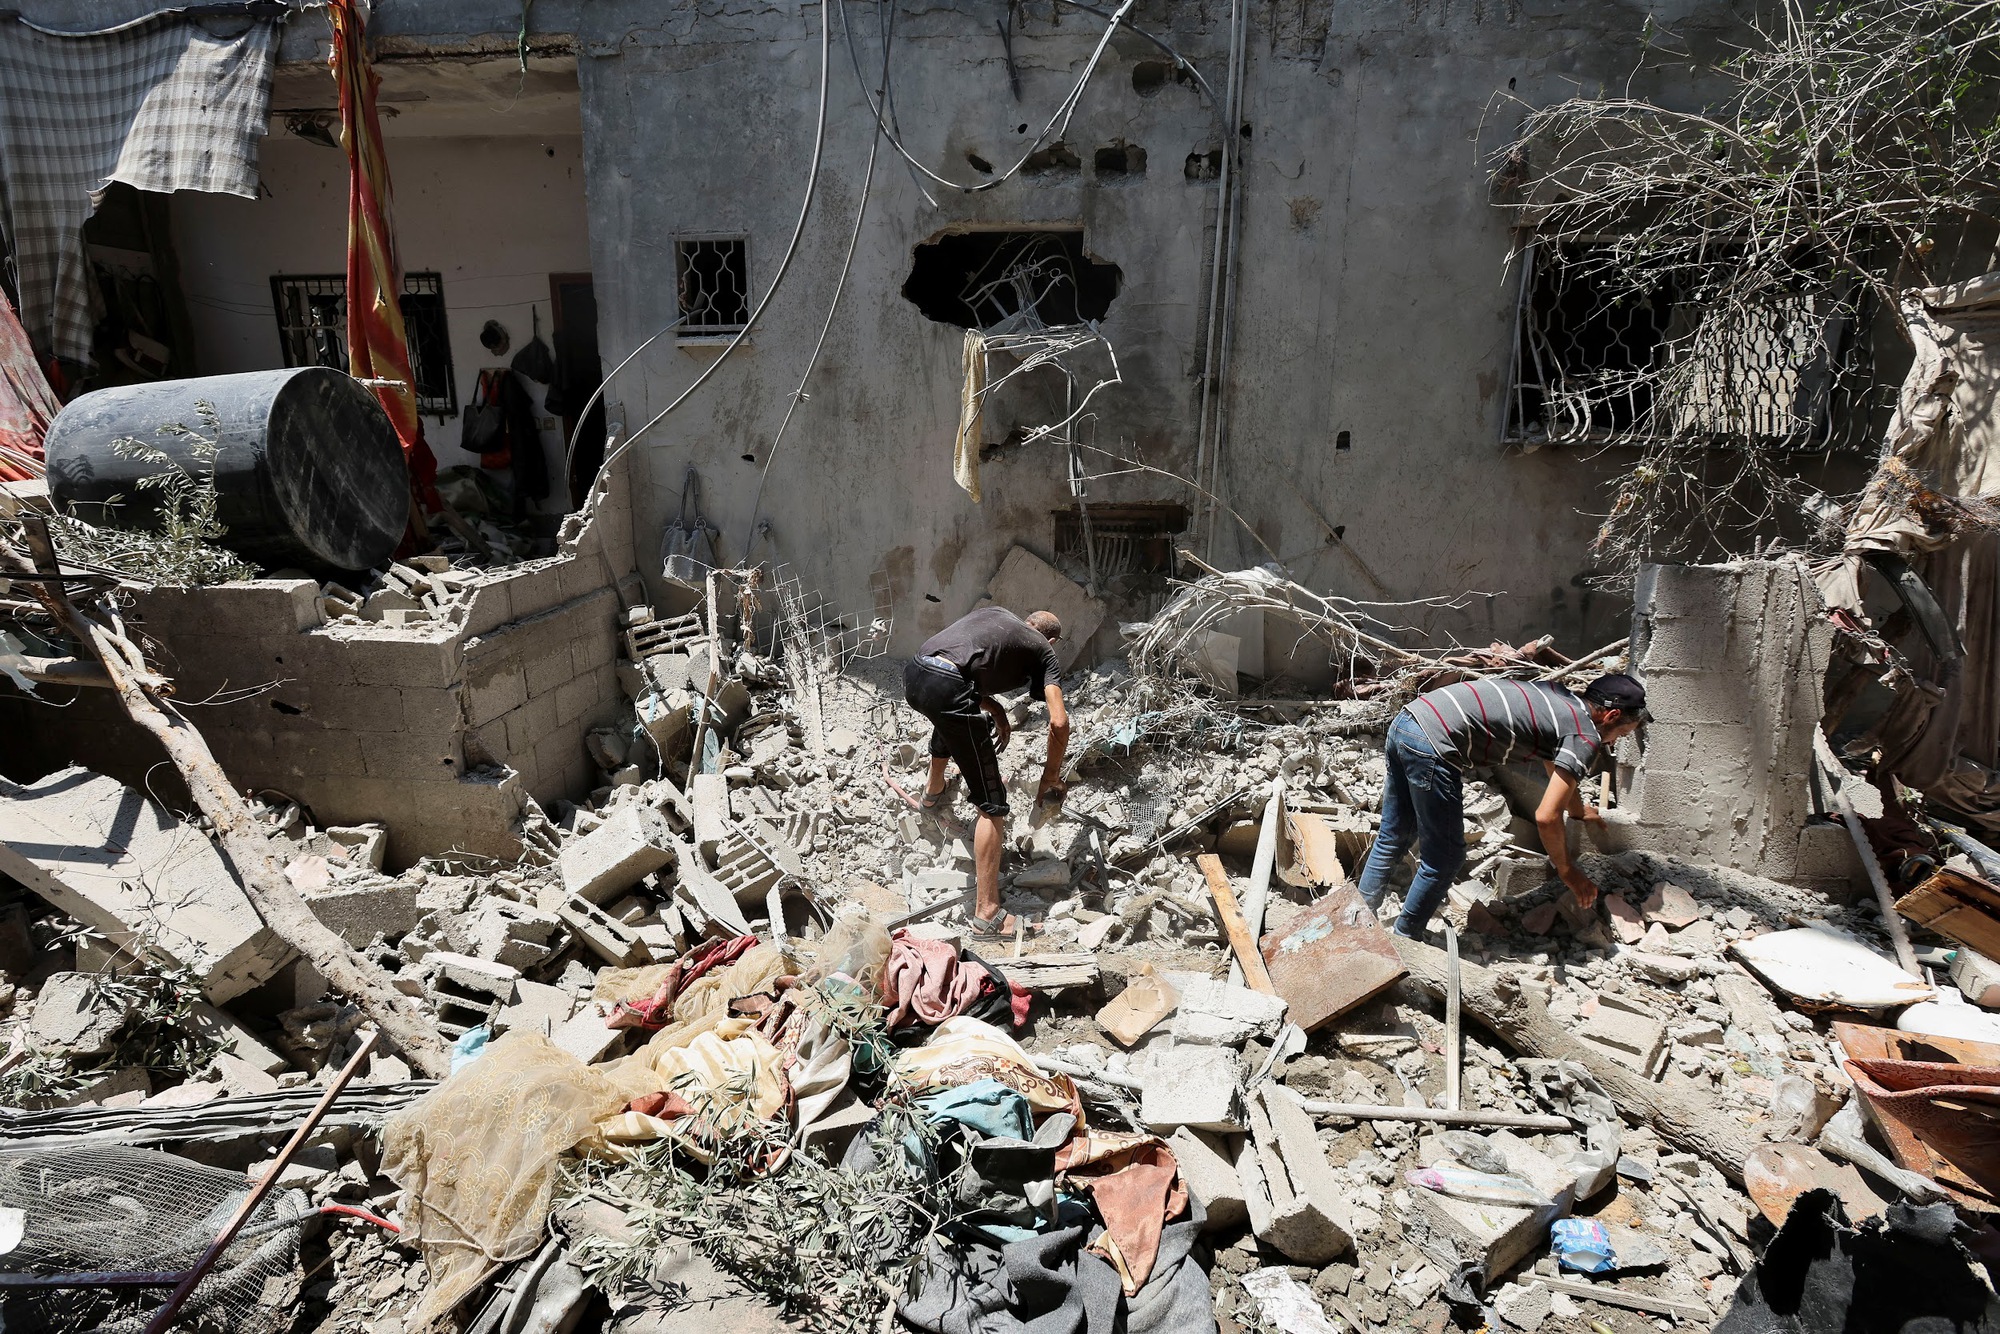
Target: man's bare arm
1557,800
1058,737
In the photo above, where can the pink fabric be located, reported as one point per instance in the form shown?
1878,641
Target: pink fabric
657,1010
925,981
27,404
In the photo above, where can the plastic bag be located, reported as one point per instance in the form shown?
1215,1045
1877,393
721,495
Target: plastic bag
1581,1244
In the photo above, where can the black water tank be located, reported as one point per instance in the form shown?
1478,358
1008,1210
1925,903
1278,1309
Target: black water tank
308,471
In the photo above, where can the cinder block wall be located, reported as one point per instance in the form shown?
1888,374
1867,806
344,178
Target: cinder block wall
436,730
1734,660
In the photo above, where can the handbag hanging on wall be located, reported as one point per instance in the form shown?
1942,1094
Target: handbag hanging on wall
483,425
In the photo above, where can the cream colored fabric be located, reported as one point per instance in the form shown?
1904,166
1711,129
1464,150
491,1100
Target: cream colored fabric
476,1159
971,414
731,1074
961,1050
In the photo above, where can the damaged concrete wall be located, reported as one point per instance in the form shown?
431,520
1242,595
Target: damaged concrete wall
1734,660
1373,324
437,729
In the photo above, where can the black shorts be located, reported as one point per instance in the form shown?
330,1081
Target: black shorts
959,728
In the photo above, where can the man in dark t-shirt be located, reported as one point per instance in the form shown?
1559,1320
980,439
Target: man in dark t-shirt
952,681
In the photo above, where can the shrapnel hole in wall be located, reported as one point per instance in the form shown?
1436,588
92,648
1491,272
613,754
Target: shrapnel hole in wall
1119,159
1149,77
1204,166
990,280
1058,159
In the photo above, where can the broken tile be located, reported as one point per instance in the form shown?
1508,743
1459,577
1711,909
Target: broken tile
1330,958
1670,906
1626,922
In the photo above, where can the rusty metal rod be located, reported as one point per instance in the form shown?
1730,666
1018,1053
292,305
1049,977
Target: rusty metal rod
163,1318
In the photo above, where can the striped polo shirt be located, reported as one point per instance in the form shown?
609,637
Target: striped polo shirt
1483,723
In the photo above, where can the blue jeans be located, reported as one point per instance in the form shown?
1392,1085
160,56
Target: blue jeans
1422,802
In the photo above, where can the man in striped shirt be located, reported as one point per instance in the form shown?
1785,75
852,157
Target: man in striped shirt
1479,725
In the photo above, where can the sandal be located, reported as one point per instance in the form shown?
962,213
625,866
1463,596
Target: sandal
1000,926
933,800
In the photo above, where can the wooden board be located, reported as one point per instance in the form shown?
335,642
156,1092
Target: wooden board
1330,958
1963,907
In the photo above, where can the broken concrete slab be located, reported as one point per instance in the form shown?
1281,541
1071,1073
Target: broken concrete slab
584,1036
1628,1033
1492,1238
1214,1012
78,1013
1330,958
122,865
632,843
1191,1086
1626,921
1308,1219
1135,1011
602,934
227,1031
1025,582
1977,976
1208,1166
1670,906
538,1008
709,794
359,913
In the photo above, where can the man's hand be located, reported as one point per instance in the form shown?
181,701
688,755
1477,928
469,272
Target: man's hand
1583,887
1592,816
1003,731
1051,794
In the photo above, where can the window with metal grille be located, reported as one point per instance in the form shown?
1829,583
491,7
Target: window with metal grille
312,330
712,277
1598,364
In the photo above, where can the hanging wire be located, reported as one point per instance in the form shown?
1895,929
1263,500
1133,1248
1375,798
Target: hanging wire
840,285
784,264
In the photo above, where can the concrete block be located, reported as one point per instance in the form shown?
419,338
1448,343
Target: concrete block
538,1008
409,659
584,1036
834,1129
1309,1220
77,1013
1192,1086
478,977
1219,1014
1514,877
1025,582
404,755
216,1026
358,913
1490,1237
631,844
1623,1031
709,794
497,689
1208,1166
1977,976
512,933
118,863
603,935
239,1077
549,672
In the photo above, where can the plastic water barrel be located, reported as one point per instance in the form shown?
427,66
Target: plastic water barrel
308,471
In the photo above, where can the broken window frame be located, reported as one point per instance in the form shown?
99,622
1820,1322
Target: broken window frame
316,332
1818,401
694,330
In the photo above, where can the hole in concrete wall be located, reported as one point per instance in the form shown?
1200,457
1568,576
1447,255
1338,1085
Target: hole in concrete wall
982,280
979,164
1118,159
1150,76
749,458
1204,166
1055,160
1022,128
932,597
289,710
1345,440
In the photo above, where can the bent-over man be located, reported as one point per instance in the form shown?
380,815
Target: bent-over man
952,681
1481,724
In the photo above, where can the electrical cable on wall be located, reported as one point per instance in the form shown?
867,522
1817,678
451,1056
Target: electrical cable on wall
1065,109
784,264
839,286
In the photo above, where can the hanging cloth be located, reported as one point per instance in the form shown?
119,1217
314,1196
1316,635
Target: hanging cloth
534,360
377,346
27,404
971,414
163,103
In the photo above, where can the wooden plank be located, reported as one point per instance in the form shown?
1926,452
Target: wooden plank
1241,942
1631,1301
1963,907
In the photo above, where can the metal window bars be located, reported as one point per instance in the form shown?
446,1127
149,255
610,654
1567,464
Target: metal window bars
712,279
312,330
1597,363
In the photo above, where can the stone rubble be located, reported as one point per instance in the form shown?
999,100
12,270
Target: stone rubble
797,821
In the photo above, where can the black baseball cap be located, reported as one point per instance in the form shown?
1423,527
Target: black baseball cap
1618,691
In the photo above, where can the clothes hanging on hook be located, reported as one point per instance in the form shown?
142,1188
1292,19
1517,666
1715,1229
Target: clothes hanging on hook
971,415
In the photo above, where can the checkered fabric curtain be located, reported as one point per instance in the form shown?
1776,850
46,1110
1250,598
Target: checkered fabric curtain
163,103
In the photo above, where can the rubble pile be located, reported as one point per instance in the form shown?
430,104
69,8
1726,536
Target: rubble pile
723,1042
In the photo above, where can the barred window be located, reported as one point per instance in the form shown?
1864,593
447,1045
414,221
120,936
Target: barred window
712,276
1596,363
312,330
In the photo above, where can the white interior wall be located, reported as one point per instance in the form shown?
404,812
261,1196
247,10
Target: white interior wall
494,216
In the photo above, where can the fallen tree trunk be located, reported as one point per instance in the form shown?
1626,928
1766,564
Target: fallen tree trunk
1498,1002
403,1023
